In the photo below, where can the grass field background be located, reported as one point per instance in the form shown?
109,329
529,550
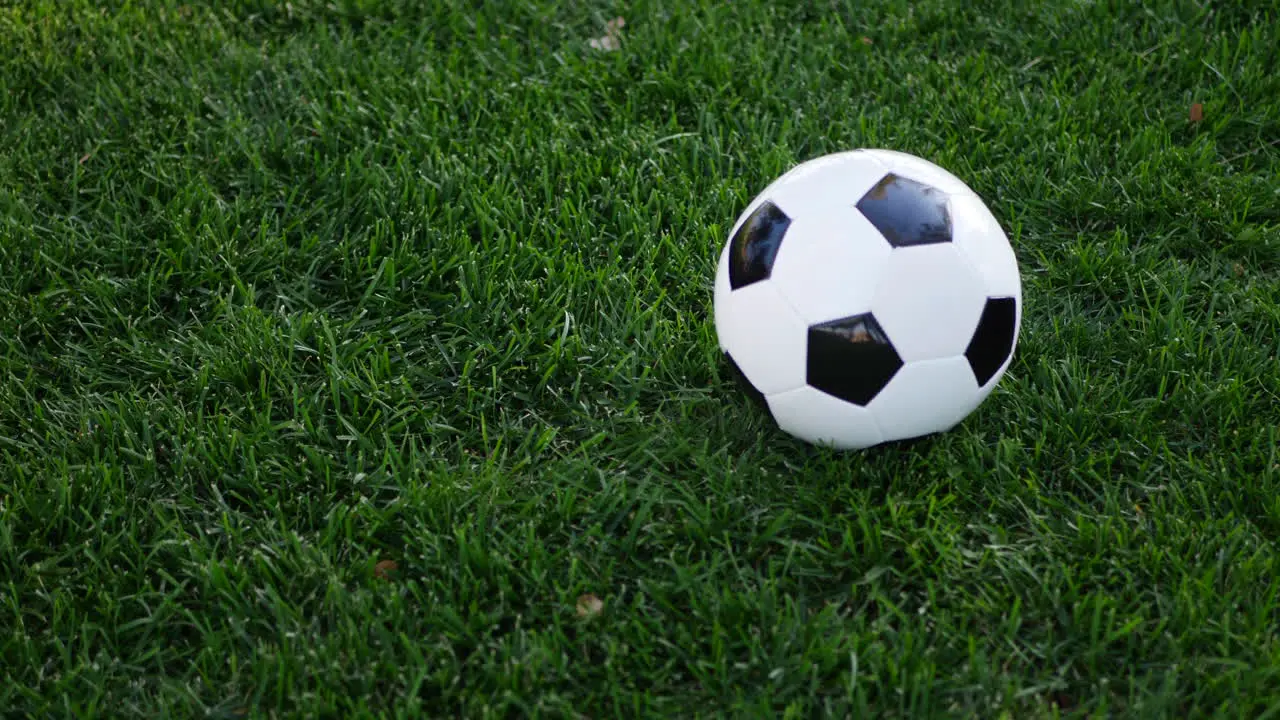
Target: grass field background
290,292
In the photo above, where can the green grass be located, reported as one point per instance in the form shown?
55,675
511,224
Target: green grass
288,290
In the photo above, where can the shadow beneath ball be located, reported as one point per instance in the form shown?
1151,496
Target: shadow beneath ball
919,445
740,379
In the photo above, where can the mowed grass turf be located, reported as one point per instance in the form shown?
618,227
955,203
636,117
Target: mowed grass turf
344,346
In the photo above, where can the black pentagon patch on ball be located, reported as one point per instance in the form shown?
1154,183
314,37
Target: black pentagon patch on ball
755,246
744,383
851,359
993,340
907,212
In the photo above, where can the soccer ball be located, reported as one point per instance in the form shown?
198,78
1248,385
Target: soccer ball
867,297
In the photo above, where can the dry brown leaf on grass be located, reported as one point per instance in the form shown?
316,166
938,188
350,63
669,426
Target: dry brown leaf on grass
611,39
589,605
1197,112
384,569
